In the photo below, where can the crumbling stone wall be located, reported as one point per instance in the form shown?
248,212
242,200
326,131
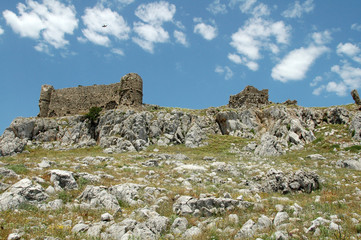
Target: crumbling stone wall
250,96
78,100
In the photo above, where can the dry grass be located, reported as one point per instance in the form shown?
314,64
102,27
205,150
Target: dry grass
336,195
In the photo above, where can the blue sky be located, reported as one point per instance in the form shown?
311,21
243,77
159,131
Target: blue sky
190,54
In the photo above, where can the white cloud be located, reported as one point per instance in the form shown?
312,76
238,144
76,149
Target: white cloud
156,13
119,4
47,22
94,19
217,7
318,90
235,58
356,27
118,51
208,32
1,30
321,38
315,81
349,50
149,35
256,35
180,37
351,76
42,47
226,71
261,10
298,9
150,31
296,64
246,6
338,88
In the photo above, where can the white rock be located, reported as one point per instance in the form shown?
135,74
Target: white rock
281,217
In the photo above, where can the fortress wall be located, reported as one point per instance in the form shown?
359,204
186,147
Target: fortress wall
78,100
70,101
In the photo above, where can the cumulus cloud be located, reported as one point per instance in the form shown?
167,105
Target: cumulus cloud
256,35
356,27
250,7
338,88
226,71
296,64
315,81
94,19
349,50
180,37
235,58
150,31
297,9
217,7
318,91
322,38
208,32
47,22
351,76
156,13
149,35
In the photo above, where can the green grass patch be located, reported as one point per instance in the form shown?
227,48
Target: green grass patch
18,168
354,149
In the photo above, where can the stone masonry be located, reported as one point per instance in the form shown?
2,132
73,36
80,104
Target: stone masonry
250,96
71,101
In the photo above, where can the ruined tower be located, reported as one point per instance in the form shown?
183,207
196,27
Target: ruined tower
250,96
131,90
44,101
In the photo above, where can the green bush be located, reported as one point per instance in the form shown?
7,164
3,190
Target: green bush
93,114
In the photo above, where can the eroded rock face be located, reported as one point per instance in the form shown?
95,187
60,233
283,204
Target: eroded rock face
63,180
10,144
187,205
277,181
24,191
98,197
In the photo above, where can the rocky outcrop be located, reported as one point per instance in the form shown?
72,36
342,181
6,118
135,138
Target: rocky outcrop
187,205
278,181
22,192
279,129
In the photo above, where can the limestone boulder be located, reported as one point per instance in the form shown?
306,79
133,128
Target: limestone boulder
63,180
24,191
127,192
355,127
98,197
11,144
270,146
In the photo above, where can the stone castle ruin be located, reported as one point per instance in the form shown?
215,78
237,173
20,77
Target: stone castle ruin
70,101
250,96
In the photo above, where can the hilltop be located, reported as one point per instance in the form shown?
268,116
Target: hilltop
264,170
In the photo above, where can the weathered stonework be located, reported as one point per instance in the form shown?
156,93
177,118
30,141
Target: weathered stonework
250,96
77,100
356,97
